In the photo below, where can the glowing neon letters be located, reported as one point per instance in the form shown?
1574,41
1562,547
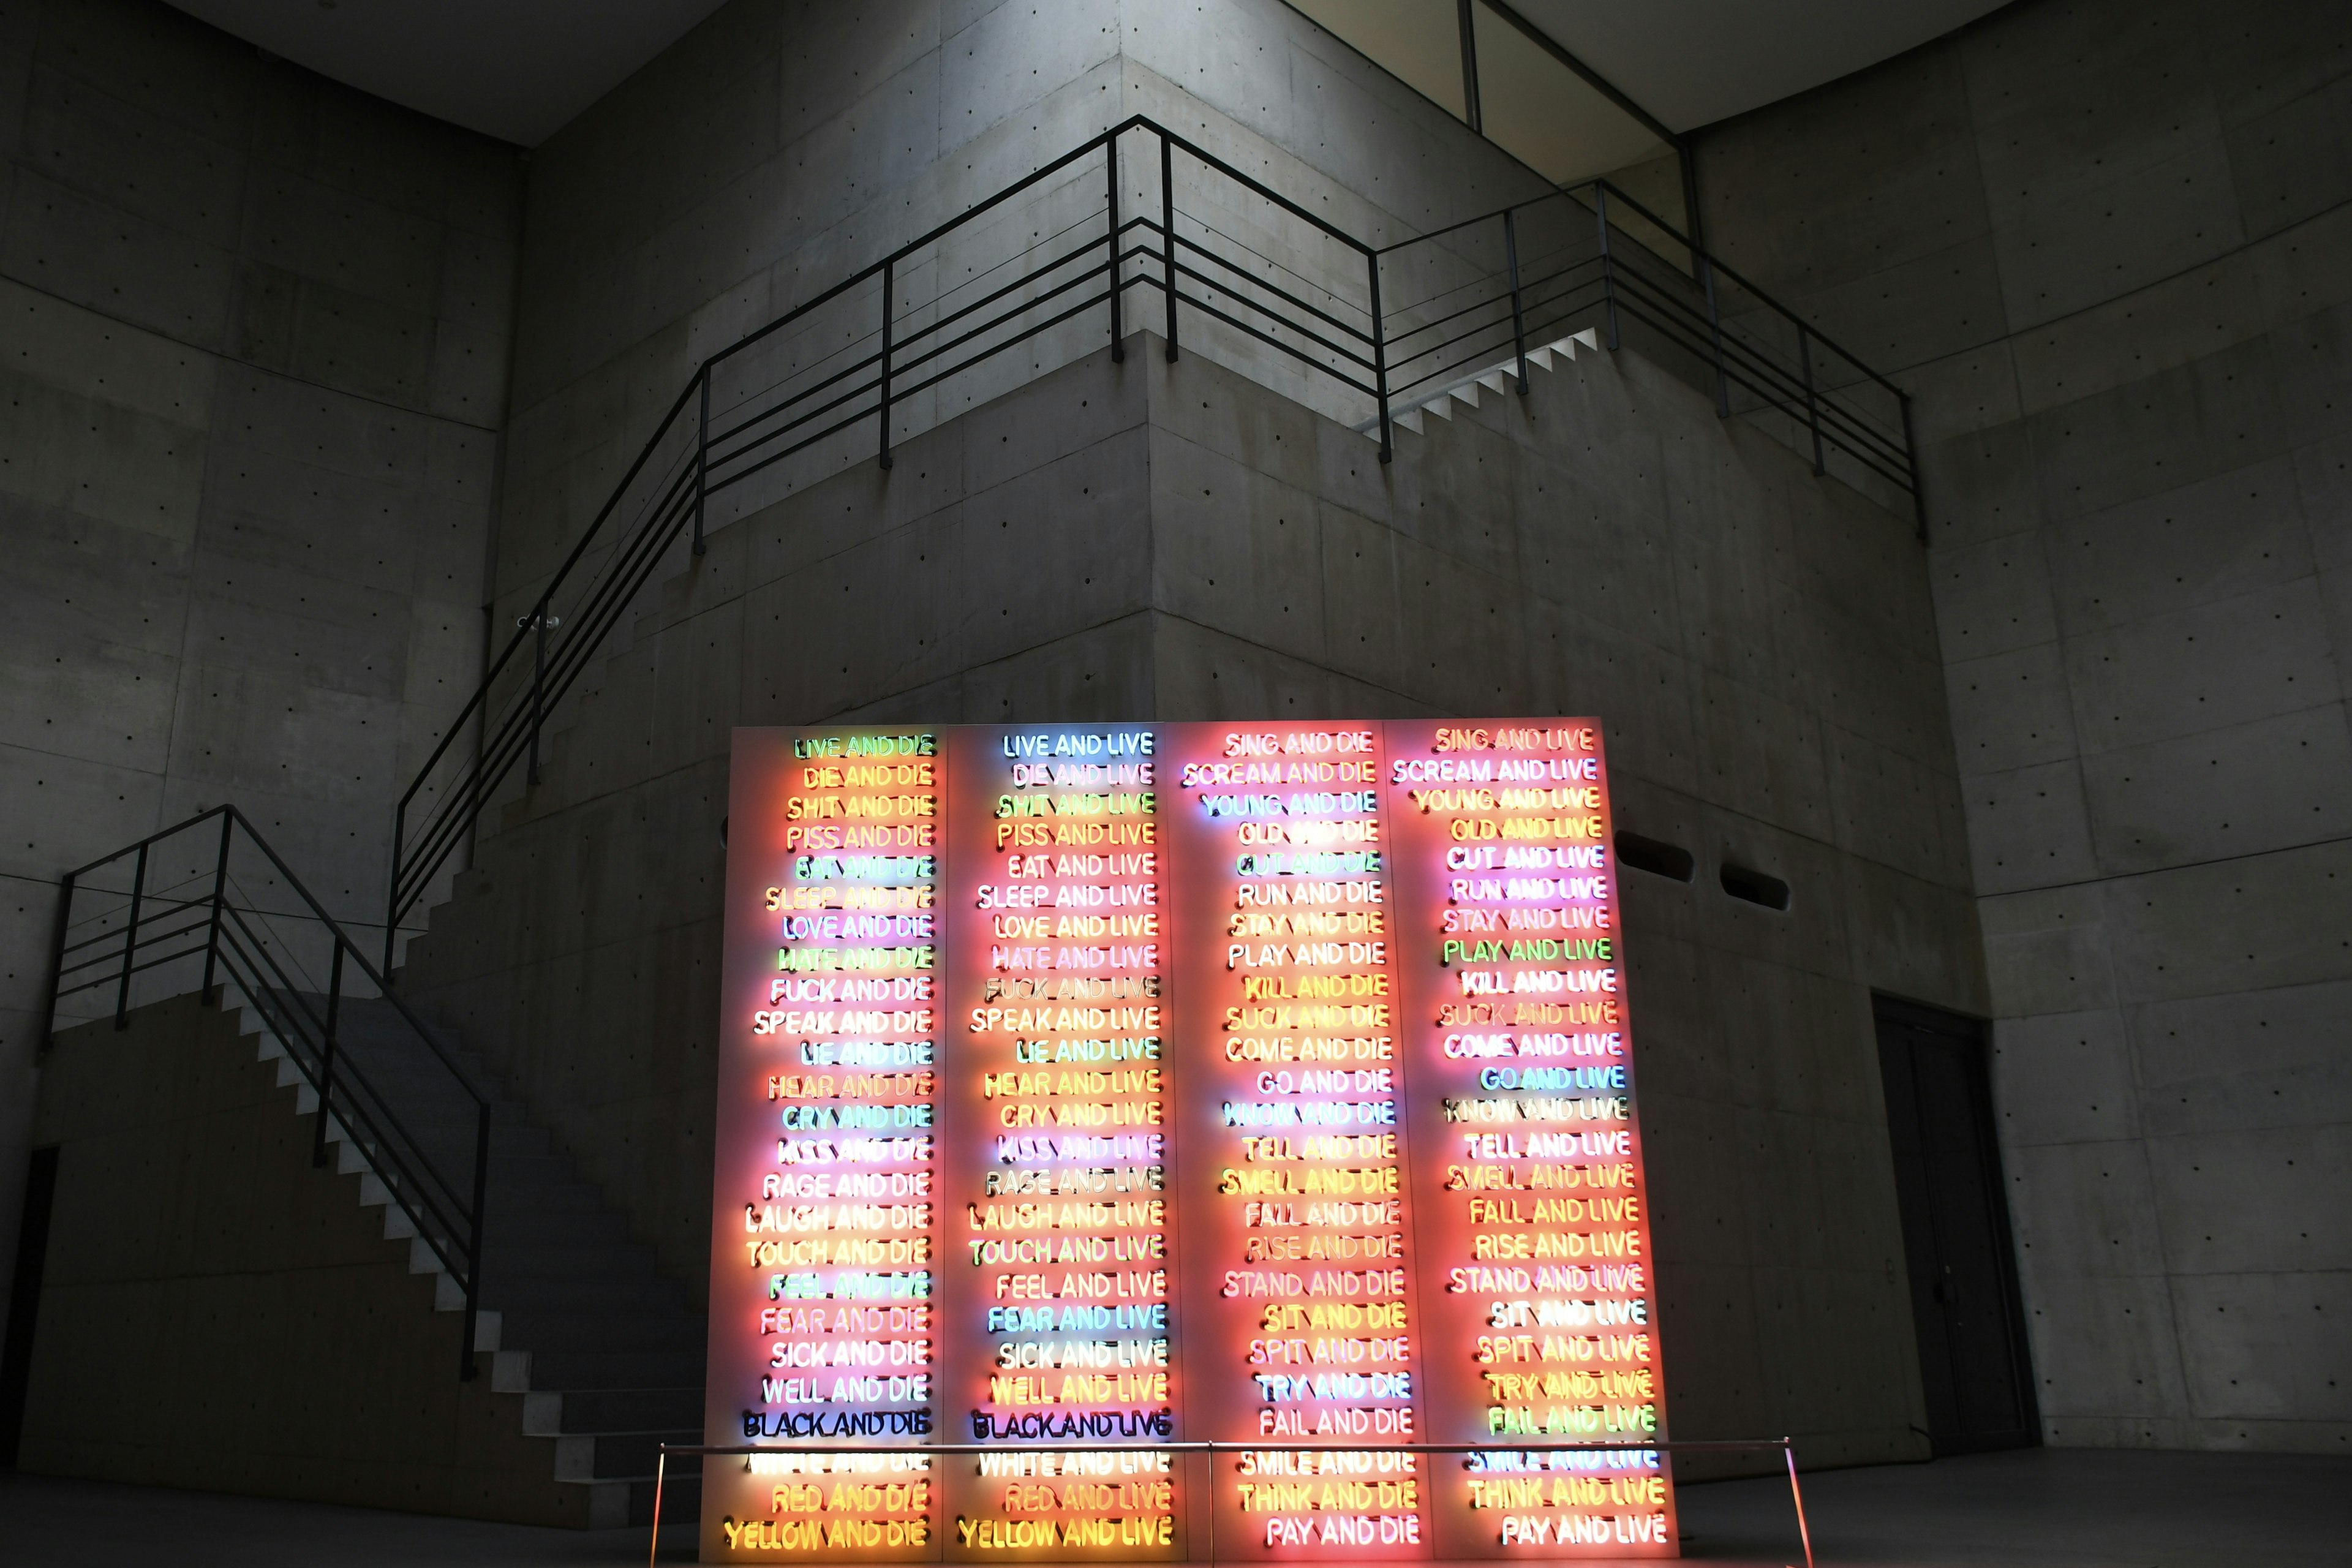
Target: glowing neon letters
1084,1087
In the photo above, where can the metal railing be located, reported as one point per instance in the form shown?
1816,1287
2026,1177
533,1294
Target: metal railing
1043,272
1038,275
1787,1446
208,901
1476,294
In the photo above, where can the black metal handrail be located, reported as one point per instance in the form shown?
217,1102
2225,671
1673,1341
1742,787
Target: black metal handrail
871,348
704,444
185,901
875,345
1601,267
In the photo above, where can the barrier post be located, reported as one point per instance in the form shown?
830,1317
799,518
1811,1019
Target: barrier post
1714,331
465,1369
1519,317
57,960
130,941
1813,398
1805,1535
1168,236
1110,183
1608,268
890,285
661,1473
327,1058
702,457
1380,356
1911,450
391,892
537,682
220,893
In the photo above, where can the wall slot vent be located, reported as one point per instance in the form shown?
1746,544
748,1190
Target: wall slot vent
1659,859
1755,886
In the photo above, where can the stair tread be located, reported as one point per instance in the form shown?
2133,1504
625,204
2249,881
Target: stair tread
616,1343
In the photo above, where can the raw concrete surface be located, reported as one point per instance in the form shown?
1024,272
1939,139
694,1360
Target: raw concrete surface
2120,593
2104,241
1142,539
254,1331
254,334
2037,1508
779,148
1104,541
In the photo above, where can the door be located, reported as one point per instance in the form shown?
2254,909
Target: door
24,1301
1947,1179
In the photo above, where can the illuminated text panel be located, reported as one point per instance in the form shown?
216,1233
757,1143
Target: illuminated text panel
1086,1087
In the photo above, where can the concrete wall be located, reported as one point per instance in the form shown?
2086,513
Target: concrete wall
1136,541
251,1330
2105,241
255,364
1146,540
779,148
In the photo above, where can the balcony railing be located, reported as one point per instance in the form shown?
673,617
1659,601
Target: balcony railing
208,907
1134,226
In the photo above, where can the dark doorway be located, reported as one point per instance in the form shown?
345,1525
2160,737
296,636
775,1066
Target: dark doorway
1947,1179
25,1299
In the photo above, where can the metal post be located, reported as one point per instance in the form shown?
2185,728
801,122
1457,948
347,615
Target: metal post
1692,216
131,942
661,1474
1519,317
392,893
220,892
1110,183
327,1057
889,290
1608,268
1714,329
473,792
537,682
1813,398
1380,356
1473,114
58,960
1168,236
465,1369
1788,1452
1212,1491
1911,451
702,459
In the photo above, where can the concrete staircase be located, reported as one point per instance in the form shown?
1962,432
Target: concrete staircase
607,1354
615,1357
1501,379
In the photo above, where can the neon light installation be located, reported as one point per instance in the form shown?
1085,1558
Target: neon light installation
1089,1086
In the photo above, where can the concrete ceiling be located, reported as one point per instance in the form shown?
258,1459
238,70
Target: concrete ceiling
520,69
1693,62
516,69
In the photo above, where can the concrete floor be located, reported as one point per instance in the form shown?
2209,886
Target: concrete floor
2042,1508
2038,1509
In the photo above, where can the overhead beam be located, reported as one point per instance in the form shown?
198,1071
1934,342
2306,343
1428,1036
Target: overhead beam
1592,78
